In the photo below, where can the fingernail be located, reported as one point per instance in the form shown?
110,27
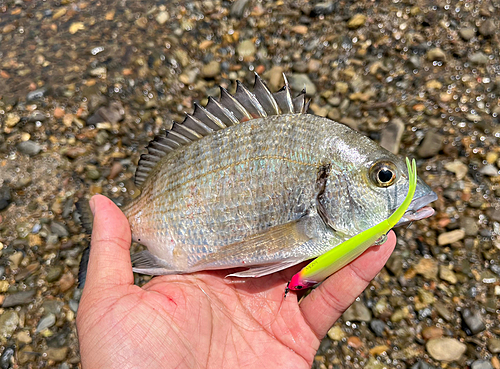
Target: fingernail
92,205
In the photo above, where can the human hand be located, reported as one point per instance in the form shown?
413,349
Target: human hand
202,320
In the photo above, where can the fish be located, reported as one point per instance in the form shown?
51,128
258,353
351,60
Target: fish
254,181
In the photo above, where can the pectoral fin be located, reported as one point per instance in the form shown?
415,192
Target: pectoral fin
266,269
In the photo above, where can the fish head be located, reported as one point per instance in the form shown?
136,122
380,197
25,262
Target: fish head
366,184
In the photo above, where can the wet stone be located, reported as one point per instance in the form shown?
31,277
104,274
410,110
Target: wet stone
47,321
162,17
211,70
54,273
19,298
112,113
336,333
59,229
472,322
11,120
53,307
446,274
428,268
57,353
358,20
489,170
487,28
357,312
481,364
436,54
422,365
36,94
323,9
246,48
395,264
8,323
238,8
479,58
26,354
5,196
445,349
378,327
467,33
494,345
29,148
470,226
391,135
432,332
450,237
7,357
299,81
431,145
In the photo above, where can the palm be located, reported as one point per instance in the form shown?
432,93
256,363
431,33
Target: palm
204,320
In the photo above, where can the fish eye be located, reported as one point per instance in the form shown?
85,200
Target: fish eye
383,174
299,287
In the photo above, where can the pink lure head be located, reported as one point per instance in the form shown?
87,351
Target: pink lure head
297,283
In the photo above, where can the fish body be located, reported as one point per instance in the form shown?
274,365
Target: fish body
273,187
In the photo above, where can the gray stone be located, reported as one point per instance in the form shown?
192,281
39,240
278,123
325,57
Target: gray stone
472,322
36,95
487,28
378,327
489,170
357,312
443,311
47,321
431,144
445,349
112,114
54,273
467,33
298,81
36,116
238,8
8,323
19,298
29,148
395,264
5,196
59,229
391,135
481,364
6,358
422,365
479,58
470,226
323,9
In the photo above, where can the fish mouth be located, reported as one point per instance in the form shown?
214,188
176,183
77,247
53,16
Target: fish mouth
418,209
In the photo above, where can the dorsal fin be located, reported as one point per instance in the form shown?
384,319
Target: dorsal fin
216,115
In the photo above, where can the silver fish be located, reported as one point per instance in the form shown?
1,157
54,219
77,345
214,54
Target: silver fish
253,181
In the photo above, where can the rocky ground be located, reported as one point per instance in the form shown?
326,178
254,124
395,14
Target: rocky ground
84,85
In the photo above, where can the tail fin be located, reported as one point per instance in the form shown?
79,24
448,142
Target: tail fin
87,220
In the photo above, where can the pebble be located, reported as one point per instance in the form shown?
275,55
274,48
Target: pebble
489,170
467,33
26,354
36,94
6,360
325,8
445,349
211,70
57,354
494,345
238,8
427,268
29,148
246,48
299,81
378,327
432,332
481,364
357,312
358,20
446,274
5,196
59,229
8,323
113,113
457,167
23,337
487,28
431,144
11,120
45,322
354,342
162,17
66,282
15,259
390,138
422,365
275,77
450,237
436,54
479,58
336,333
19,298
472,322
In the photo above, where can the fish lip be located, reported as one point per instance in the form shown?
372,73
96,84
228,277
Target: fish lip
418,209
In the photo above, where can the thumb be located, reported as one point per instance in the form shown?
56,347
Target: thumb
109,261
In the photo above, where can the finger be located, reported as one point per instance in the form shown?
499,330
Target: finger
109,261
324,305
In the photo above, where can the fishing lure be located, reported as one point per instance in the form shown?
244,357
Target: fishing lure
338,257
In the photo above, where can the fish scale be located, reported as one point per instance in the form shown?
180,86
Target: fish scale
253,181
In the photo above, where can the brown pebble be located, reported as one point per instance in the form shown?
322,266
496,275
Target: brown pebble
495,362
116,168
432,332
354,342
378,350
58,113
66,282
